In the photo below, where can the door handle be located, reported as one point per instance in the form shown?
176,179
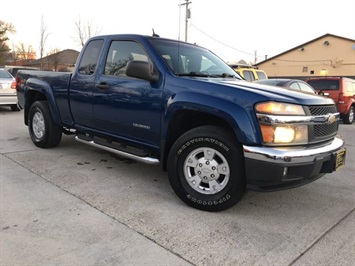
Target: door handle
102,86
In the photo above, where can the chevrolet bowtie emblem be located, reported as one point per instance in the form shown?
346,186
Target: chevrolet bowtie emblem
331,119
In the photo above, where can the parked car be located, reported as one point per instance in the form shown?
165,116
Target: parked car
292,84
341,90
249,72
8,95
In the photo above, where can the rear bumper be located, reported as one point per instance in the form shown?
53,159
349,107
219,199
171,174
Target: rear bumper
8,99
269,169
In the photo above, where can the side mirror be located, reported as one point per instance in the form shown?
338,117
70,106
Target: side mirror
141,70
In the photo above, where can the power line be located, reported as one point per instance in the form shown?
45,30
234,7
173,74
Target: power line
209,36
254,54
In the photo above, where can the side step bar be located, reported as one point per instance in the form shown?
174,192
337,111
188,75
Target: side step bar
147,160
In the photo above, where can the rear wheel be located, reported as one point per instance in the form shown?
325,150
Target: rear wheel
206,169
349,117
43,131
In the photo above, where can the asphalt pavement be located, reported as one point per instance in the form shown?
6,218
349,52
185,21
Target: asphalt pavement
76,205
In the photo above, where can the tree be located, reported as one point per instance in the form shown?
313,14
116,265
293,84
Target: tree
54,57
24,52
44,36
84,31
5,28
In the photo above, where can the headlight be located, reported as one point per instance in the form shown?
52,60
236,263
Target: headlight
279,132
276,108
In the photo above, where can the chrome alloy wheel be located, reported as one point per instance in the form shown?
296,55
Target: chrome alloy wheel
38,125
351,115
206,170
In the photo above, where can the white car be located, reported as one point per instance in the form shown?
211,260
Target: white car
8,94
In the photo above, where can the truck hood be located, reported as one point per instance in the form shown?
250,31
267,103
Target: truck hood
273,92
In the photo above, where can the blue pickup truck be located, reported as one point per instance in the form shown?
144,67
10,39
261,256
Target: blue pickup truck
161,101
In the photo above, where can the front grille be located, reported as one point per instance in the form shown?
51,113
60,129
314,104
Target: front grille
325,131
322,110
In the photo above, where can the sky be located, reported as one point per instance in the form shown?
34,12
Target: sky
232,29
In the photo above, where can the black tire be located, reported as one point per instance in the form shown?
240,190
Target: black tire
204,159
349,117
43,131
15,107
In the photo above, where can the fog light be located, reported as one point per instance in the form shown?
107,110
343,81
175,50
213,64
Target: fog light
285,171
284,134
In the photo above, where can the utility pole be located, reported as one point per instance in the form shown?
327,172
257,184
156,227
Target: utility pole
255,57
187,16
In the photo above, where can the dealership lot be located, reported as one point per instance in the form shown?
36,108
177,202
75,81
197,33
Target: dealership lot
78,205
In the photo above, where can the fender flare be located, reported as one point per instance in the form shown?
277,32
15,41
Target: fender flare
239,119
37,86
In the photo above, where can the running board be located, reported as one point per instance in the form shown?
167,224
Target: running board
147,160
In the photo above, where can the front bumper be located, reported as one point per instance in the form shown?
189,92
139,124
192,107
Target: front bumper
270,168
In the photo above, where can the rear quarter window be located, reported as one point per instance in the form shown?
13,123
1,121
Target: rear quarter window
261,75
349,86
325,84
90,58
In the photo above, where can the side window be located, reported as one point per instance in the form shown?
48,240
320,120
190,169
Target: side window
90,58
349,86
294,86
248,75
306,88
120,53
261,75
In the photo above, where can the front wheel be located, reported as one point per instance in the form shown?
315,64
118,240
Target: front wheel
43,131
349,117
206,169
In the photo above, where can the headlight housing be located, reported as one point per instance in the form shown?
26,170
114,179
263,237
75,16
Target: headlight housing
279,123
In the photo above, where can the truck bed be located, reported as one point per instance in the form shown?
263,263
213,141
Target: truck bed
57,85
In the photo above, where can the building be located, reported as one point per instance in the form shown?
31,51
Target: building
327,55
61,61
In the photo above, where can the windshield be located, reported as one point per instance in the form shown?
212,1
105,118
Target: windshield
190,60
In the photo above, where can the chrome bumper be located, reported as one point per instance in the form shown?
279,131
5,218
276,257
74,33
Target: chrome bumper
270,169
292,155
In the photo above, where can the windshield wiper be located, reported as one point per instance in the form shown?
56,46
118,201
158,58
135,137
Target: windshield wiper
224,75
193,74
199,74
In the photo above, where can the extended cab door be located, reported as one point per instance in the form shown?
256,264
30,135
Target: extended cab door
127,107
83,85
